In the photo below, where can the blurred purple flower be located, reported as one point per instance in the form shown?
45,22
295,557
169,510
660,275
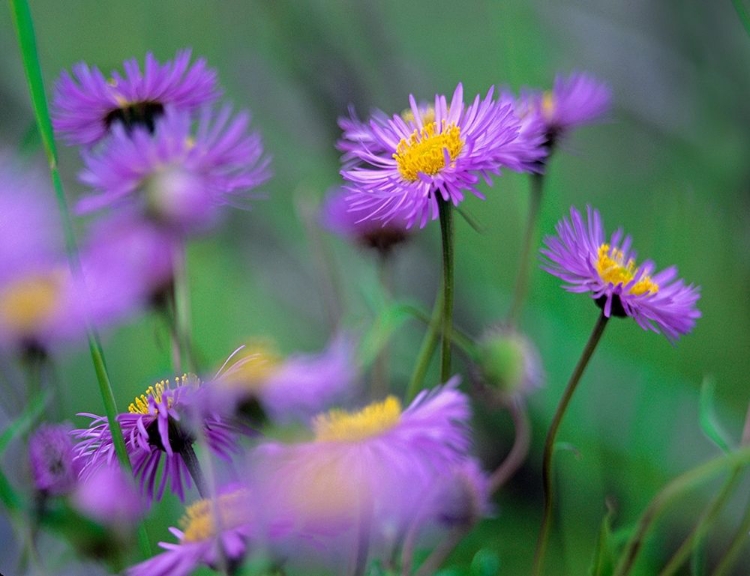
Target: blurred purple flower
400,166
581,256
87,105
212,532
109,496
178,178
338,216
161,424
54,469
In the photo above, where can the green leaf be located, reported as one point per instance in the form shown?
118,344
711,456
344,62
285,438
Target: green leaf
25,420
709,423
390,319
485,563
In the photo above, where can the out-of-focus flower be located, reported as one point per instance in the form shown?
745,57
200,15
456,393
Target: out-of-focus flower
402,166
160,425
581,256
338,216
110,497
213,533
291,389
573,101
54,469
87,105
508,363
358,485
178,178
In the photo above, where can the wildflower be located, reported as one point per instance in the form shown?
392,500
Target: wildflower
87,105
574,100
508,363
405,165
94,499
287,389
339,217
158,426
213,533
581,256
358,484
54,469
177,178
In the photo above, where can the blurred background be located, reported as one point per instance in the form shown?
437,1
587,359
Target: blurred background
670,166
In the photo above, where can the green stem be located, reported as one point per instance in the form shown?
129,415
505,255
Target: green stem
676,487
429,343
743,15
446,235
700,529
522,280
518,452
549,443
24,26
194,467
182,328
380,383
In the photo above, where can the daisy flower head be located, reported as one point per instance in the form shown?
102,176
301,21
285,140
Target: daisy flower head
178,177
291,389
93,498
212,533
54,469
582,257
573,101
365,473
160,425
87,105
405,163
339,217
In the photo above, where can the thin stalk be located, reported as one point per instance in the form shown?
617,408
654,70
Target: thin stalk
700,529
735,546
380,383
549,443
183,323
742,14
518,452
24,26
429,343
676,487
441,552
194,467
446,236
522,280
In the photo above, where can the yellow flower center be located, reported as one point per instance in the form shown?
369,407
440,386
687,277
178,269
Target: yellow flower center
549,105
257,362
342,426
141,405
200,520
26,304
612,268
423,152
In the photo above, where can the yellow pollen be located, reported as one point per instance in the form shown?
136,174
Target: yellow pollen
423,152
198,523
28,303
342,426
548,105
257,362
427,115
612,268
140,404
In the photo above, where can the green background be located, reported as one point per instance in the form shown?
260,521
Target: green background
669,166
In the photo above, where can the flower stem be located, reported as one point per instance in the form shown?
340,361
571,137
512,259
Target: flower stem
380,382
446,235
739,540
24,26
518,452
194,467
182,329
676,487
522,280
429,343
549,443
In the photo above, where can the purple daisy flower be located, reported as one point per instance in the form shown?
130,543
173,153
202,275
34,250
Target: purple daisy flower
93,498
581,256
159,425
178,178
292,389
212,532
54,469
87,105
339,217
362,479
402,165
574,100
